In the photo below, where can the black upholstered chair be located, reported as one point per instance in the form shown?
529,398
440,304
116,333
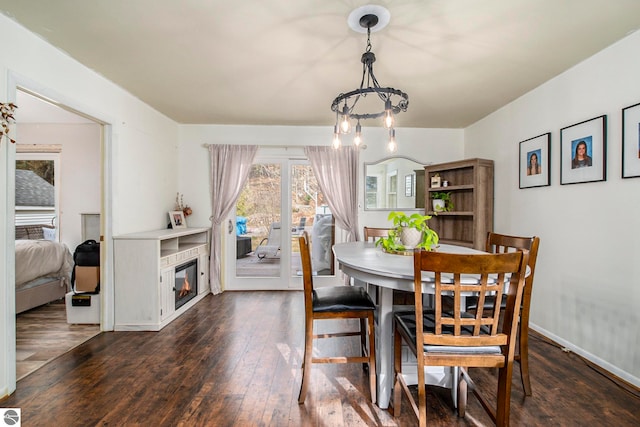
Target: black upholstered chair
337,302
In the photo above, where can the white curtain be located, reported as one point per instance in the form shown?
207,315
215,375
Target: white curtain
230,167
337,175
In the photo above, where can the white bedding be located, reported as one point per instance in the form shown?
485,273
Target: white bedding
42,258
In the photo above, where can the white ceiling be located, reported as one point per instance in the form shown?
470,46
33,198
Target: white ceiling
281,62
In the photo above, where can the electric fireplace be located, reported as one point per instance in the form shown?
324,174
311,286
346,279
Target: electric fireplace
186,283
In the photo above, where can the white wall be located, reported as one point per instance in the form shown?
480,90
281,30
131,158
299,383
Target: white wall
424,145
79,167
141,148
587,286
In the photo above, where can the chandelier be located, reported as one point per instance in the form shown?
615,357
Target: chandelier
345,105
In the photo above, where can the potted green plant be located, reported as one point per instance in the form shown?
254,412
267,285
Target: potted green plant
409,231
441,201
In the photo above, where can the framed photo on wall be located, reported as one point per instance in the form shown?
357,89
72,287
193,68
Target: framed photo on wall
177,219
631,141
583,151
535,161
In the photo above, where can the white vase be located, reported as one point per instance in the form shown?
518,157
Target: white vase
410,237
438,205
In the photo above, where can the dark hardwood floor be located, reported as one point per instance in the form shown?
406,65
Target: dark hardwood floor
234,360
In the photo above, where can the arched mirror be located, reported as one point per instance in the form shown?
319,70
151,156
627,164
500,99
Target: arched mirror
394,183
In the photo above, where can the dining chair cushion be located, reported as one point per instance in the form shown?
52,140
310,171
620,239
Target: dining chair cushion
341,298
407,322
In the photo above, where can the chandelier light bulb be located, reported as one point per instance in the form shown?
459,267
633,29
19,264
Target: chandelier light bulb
388,114
392,146
345,124
357,140
336,138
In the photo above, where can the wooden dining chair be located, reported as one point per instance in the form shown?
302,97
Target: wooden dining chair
502,243
337,302
375,233
457,338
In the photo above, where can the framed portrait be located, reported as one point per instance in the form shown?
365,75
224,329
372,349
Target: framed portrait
177,219
408,185
535,161
631,141
583,151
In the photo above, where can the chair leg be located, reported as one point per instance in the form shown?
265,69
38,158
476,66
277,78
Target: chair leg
524,355
422,395
372,359
462,393
397,370
504,395
306,363
363,340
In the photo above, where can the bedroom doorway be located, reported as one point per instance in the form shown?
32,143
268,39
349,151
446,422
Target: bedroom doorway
59,156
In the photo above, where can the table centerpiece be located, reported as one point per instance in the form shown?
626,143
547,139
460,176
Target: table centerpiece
408,233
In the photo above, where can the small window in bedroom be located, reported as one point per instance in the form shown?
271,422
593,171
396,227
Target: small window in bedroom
37,195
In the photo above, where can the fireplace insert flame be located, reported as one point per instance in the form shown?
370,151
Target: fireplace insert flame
186,283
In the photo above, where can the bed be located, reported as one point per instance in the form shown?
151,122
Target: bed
43,268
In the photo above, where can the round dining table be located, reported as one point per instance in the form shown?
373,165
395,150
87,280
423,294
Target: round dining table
368,264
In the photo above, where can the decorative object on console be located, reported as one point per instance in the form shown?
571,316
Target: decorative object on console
366,19
6,118
177,219
583,151
631,141
408,232
435,181
180,206
535,161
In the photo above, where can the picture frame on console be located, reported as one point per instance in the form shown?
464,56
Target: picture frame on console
177,219
631,141
535,161
583,151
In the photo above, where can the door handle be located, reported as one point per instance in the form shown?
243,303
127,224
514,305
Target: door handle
230,227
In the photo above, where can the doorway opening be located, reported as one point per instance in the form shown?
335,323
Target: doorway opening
58,181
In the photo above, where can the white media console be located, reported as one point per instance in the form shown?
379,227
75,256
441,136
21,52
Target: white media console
145,275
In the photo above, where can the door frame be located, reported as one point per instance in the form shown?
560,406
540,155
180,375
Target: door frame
17,82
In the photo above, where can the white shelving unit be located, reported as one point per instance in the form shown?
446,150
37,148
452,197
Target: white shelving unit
145,275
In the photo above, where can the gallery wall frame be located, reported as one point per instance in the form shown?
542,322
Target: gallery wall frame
631,141
535,161
583,151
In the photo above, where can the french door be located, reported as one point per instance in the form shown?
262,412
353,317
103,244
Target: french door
280,200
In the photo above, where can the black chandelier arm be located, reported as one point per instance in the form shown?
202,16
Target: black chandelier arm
402,105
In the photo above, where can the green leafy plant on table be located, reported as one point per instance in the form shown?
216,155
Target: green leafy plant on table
392,243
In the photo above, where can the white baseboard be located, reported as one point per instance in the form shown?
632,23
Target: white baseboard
590,357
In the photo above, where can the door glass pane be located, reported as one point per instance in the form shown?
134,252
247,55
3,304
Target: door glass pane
310,213
258,232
